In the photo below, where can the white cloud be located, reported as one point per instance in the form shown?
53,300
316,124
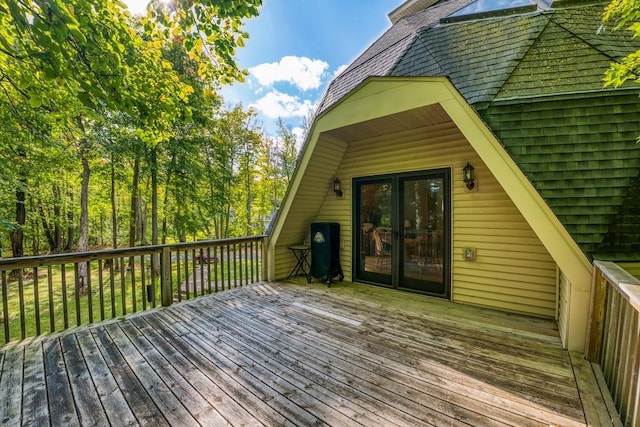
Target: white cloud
299,133
303,72
339,70
277,104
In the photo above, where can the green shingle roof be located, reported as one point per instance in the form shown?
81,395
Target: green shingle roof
580,153
477,56
536,80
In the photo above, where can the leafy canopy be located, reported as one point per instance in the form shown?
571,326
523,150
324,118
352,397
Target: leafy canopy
624,14
91,48
210,29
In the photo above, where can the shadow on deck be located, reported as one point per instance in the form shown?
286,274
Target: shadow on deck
294,354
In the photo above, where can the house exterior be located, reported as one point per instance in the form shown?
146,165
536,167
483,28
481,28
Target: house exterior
516,95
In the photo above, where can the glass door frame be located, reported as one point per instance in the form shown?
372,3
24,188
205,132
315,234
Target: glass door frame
397,254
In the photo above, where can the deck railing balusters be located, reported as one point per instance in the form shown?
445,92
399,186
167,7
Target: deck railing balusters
132,263
89,293
230,254
123,287
23,324
76,287
215,269
614,336
192,274
112,286
210,261
5,307
222,267
101,288
202,263
178,277
65,307
186,273
143,285
36,300
122,276
238,254
246,263
253,278
166,284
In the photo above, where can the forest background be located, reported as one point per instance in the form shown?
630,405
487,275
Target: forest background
113,132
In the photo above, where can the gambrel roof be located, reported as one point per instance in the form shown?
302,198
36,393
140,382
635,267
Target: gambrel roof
536,80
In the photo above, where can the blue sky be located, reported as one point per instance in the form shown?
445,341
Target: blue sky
295,49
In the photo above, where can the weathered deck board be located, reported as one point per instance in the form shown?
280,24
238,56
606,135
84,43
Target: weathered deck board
58,388
113,401
332,407
34,387
88,405
201,381
290,354
138,400
341,378
385,354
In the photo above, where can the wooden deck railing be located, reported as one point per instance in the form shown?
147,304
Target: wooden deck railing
43,294
614,336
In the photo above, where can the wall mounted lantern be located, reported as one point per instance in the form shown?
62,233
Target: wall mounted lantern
468,176
336,187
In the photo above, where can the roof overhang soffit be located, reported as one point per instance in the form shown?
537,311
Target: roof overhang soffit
384,96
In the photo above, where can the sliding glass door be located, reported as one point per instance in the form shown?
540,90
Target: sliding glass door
402,236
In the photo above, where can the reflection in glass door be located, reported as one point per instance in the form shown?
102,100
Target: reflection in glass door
402,231
423,220
375,236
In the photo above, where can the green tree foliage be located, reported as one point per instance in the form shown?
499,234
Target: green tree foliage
624,15
209,29
93,101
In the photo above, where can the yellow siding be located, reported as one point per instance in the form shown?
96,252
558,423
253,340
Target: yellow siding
314,187
513,271
632,267
564,290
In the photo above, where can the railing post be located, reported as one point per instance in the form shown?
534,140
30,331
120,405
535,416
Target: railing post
596,319
165,278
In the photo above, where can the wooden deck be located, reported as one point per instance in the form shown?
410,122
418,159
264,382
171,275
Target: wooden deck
294,354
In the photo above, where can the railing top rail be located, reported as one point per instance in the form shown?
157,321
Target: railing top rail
69,258
622,280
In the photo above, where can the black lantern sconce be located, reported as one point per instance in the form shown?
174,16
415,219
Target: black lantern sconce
468,176
337,188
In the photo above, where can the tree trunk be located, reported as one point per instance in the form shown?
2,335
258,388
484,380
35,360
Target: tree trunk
35,231
154,196
70,226
165,202
48,232
57,218
17,235
134,202
83,237
155,261
227,215
142,222
248,205
114,213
